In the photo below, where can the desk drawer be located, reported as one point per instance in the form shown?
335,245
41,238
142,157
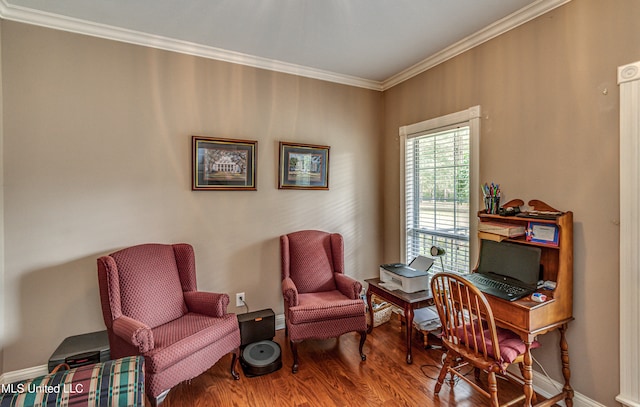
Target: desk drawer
510,315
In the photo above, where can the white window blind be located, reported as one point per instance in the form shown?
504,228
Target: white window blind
439,159
437,200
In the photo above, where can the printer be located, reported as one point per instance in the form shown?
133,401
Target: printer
408,278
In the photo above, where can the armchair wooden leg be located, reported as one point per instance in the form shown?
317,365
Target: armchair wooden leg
363,337
294,350
234,364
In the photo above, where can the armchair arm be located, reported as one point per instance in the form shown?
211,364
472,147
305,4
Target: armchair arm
348,286
289,292
211,304
134,332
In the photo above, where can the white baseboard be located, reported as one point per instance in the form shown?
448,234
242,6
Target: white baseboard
627,402
280,324
547,387
23,374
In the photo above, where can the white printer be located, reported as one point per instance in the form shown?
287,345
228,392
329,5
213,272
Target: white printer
410,279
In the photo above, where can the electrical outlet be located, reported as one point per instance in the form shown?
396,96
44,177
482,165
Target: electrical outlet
240,299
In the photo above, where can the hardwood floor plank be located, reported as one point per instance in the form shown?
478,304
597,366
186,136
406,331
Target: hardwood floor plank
332,374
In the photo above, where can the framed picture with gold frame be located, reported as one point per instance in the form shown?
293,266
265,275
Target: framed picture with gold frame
303,166
223,164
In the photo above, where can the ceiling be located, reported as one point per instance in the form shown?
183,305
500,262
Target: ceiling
368,43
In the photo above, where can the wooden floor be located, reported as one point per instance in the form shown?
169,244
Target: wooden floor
332,374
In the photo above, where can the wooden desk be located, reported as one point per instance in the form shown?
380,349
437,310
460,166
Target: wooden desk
407,301
527,318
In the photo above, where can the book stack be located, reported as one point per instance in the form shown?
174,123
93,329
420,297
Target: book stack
500,231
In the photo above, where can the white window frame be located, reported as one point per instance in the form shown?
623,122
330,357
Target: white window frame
469,117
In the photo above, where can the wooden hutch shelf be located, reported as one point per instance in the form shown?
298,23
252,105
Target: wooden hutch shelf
530,319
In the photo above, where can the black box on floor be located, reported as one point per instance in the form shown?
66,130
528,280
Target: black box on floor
257,326
81,350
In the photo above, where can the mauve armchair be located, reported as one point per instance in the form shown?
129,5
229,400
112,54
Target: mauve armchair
151,307
320,301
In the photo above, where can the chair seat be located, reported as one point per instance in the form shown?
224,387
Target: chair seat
186,335
324,305
511,345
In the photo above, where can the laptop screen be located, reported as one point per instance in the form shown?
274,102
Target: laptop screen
510,260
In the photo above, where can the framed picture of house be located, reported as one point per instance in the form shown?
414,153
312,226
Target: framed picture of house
223,164
303,166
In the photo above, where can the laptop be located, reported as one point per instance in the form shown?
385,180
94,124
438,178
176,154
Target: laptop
507,270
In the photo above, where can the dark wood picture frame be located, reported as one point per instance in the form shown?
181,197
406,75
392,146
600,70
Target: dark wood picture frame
303,166
220,164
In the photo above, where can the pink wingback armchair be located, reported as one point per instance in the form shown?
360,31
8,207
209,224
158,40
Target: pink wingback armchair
320,301
151,307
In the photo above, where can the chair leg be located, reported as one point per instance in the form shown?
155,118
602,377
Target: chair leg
234,364
294,350
443,372
493,389
363,337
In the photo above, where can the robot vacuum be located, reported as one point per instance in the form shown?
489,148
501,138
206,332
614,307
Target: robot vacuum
260,358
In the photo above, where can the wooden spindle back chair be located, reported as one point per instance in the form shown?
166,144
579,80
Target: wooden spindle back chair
471,337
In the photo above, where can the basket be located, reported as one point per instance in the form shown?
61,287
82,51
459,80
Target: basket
381,312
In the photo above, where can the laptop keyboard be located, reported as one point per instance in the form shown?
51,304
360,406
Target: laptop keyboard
499,285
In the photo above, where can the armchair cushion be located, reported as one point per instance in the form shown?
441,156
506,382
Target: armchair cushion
187,335
324,305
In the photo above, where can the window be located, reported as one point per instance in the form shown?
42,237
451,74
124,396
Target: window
439,203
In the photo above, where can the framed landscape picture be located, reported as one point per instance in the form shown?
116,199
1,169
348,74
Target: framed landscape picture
223,164
303,166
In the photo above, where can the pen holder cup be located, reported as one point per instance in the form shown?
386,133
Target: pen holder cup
491,204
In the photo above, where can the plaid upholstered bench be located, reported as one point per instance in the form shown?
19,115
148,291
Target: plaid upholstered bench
117,382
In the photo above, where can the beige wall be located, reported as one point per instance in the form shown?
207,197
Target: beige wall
549,131
97,156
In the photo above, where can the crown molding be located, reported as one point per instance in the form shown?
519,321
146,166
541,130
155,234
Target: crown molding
64,23
70,24
508,23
